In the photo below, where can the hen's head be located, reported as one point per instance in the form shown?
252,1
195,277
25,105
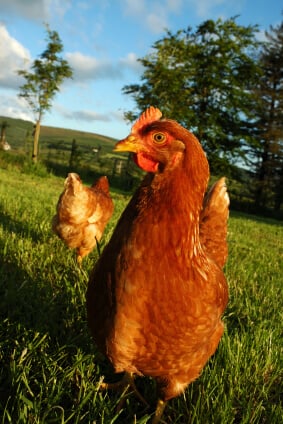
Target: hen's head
158,144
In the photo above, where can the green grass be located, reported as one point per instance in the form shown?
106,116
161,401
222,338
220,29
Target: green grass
55,145
50,370
55,148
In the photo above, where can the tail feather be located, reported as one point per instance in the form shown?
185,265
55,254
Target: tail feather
213,222
101,184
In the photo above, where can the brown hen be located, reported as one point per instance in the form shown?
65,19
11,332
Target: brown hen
82,214
156,296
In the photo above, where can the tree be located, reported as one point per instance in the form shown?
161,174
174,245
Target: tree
203,79
74,156
269,184
43,82
4,126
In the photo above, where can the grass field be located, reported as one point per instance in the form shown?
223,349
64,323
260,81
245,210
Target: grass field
50,369
92,155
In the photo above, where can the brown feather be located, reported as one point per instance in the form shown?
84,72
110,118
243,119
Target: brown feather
82,213
156,296
213,222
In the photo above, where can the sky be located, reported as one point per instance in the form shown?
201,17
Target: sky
102,41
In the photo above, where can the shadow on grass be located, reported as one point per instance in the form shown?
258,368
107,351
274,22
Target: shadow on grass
44,307
12,225
31,309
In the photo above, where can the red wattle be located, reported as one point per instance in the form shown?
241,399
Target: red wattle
145,162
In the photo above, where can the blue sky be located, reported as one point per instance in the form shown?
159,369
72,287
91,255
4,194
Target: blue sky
102,40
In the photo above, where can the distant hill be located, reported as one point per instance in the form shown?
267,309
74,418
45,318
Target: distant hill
64,150
19,134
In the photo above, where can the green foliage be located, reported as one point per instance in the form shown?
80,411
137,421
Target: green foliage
270,122
201,79
56,154
22,164
42,84
225,86
49,368
75,155
48,73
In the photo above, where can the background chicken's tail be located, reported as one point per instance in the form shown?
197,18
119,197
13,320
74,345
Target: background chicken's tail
213,222
101,184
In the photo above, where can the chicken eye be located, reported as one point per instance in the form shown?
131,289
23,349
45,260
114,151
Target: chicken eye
159,137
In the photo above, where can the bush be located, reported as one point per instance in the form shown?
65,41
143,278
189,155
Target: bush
12,160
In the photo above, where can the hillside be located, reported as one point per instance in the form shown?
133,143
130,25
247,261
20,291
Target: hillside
63,150
19,134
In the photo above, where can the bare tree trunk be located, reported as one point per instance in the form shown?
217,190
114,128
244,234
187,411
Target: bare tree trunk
3,132
2,137
36,133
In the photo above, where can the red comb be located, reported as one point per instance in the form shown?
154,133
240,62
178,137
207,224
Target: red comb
150,115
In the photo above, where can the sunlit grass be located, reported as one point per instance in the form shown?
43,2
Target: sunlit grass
50,369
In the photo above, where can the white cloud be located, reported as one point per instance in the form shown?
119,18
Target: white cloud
58,7
118,115
89,115
153,14
131,62
85,115
261,36
135,7
203,8
89,68
174,5
13,56
15,107
157,22
40,10
30,9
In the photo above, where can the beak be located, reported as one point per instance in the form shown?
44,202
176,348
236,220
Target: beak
129,144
